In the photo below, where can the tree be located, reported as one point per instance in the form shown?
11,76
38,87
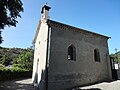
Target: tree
1,40
24,60
116,57
9,11
5,60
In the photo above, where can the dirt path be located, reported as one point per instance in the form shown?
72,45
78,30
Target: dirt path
22,84
25,84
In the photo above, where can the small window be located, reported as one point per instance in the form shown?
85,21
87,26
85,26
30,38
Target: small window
71,53
96,55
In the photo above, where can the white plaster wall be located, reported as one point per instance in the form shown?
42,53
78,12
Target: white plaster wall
40,53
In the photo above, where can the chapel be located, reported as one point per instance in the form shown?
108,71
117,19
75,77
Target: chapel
66,56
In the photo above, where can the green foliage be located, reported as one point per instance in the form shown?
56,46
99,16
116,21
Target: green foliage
116,57
2,66
8,54
17,57
14,73
5,60
1,39
24,60
9,11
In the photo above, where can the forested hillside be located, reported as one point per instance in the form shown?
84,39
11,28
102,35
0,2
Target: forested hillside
15,63
16,57
116,56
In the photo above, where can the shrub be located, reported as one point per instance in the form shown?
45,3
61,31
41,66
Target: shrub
24,60
2,66
14,73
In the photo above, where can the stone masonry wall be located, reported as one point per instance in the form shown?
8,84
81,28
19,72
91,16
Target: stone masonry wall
64,73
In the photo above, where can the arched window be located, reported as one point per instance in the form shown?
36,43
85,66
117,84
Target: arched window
96,55
71,53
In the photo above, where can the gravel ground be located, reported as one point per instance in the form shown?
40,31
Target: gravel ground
25,84
22,84
115,85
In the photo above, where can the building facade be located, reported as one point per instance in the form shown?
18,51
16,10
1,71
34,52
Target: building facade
66,56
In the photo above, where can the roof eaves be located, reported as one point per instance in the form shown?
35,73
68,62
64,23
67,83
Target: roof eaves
37,31
80,29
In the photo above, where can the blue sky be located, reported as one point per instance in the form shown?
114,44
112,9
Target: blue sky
100,16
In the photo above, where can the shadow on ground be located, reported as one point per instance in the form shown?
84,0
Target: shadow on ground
16,85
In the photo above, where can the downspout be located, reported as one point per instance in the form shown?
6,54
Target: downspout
109,63
47,56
